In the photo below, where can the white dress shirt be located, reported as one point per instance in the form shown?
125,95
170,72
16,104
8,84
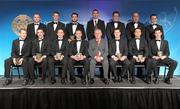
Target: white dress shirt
158,44
95,22
115,25
40,45
55,26
36,26
117,47
78,44
74,28
154,26
21,42
60,43
137,43
135,25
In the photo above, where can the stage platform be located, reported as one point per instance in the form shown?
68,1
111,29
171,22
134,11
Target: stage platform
97,96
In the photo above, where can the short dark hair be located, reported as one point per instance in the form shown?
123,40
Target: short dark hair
36,13
60,29
135,12
78,30
22,29
153,15
137,28
116,12
95,10
74,13
56,12
40,29
117,29
157,29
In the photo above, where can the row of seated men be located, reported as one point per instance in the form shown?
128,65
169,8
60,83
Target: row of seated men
97,51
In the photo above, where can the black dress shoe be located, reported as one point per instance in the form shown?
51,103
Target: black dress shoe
31,82
156,81
7,82
133,81
53,81
63,81
73,81
83,81
148,81
106,81
167,80
115,80
25,82
91,81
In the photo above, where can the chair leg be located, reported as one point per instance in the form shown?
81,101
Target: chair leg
18,73
11,71
165,68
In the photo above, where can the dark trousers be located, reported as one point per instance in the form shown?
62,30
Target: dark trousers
9,62
125,65
33,64
73,62
51,66
168,61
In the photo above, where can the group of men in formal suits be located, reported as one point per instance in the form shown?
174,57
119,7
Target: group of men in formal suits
56,44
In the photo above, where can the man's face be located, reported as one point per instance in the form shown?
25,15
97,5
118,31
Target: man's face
135,17
116,17
78,35
60,34
117,34
158,34
95,14
74,18
98,34
40,34
23,34
153,19
55,17
37,18
137,33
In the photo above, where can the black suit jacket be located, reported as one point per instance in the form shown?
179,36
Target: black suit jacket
122,46
55,47
31,32
26,49
83,49
45,50
110,30
153,49
69,30
90,28
143,48
51,34
150,32
130,30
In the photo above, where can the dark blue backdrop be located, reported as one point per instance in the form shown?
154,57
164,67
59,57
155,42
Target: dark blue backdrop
167,10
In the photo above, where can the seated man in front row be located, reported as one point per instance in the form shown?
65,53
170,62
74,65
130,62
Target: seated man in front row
159,52
59,50
40,52
118,52
19,56
98,51
138,50
78,54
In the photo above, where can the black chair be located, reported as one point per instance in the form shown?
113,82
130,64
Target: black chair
15,67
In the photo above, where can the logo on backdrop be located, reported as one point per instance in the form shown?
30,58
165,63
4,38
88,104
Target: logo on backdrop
21,21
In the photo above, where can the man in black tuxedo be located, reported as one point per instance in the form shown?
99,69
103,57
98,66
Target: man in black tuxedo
58,50
138,50
131,26
115,23
73,26
40,53
159,52
53,26
118,52
19,57
32,28
151,27
94,23
78,54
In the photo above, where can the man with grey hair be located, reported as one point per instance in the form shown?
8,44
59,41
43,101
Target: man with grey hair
98,51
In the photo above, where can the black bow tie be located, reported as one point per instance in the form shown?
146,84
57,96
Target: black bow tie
79,40
36,24
21,40
74,23
158,40
40,40
117,39
137,38
55,23
59,39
